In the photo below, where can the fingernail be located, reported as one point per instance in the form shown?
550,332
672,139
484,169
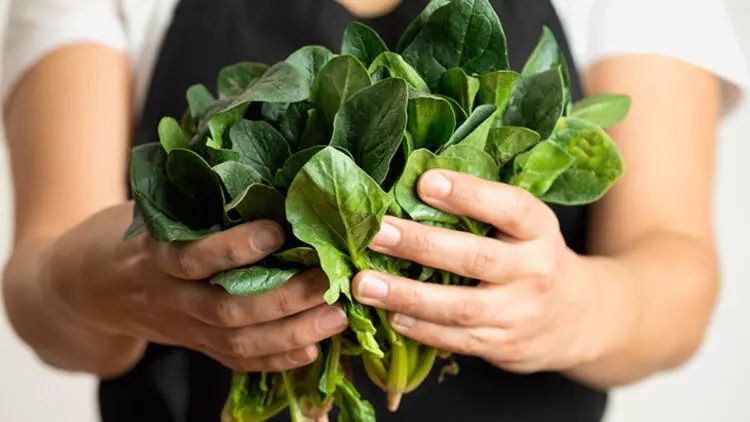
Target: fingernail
388,236
267,239
435,185
372,287
402,320
301,356
332,320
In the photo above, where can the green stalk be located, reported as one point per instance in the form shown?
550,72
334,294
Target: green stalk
334,358
295,410
375,370
422,370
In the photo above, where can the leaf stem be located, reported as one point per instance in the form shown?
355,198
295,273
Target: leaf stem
295,411
423,369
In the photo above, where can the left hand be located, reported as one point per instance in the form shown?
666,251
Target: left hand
530,311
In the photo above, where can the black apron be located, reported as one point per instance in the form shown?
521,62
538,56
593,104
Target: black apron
177,385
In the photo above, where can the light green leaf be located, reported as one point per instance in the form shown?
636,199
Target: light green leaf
338,80
475,129
538,169
362,42
302,255
604,110
170,134
310,59
431,121
495,88
235,79
456,84
252,281
392,65
505,142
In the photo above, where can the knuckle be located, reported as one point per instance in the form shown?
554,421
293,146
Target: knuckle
282,302
480,261
296,338
186,263
422,243
470,312
410,300
477,342
521,204
227,312
240,345
232,257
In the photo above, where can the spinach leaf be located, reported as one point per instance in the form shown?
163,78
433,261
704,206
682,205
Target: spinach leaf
150,185
310,59
336,207
289,119
597,163
392,65
538,169
537,102
371,124
237,176
235,79
475,129
462,33
496,88
360,323
505,142
199,99
170,134
415,27
292,166
362,42
431,121
456,84
260,146
316,130
604,110
258,201
352,407
463,159
304,256
547,55
338,80
198,186
252,281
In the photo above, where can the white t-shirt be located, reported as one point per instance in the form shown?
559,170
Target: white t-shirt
695,31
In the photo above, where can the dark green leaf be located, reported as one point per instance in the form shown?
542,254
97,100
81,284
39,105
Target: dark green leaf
170,134
537,102
290,119
237,176
336,207
415,27
394,66
150,185
316,130
422,160
496,88
431,121
199,188
597,163
338,80
475,129
604,110
362,42
371,124
547,55
199,99
292,166
302,255
456,84
257,202
505,142
352,408
252,281
260,146
540,167
217,156
462,33
235,79
310,59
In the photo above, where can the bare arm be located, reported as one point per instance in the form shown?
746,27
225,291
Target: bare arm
86,300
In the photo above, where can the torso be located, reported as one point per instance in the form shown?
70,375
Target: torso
172,384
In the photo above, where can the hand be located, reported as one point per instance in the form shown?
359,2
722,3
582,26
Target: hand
528,312
158,292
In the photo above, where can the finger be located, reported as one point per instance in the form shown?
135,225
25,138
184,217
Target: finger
448,305
461,253
272,363
477,341
510,209
275,337
213,306
239,246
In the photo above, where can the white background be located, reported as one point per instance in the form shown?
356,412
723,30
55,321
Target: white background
713,387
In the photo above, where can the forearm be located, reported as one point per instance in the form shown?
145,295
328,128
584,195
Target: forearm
650,305
59,336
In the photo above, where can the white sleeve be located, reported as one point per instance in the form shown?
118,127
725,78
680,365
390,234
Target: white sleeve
37,27
698,32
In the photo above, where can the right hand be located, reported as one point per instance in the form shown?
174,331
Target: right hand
158,292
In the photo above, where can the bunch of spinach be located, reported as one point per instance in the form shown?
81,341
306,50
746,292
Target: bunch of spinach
327,144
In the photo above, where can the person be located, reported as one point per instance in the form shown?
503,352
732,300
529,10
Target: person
572,301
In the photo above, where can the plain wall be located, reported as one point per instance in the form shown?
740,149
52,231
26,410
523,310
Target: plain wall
713,387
